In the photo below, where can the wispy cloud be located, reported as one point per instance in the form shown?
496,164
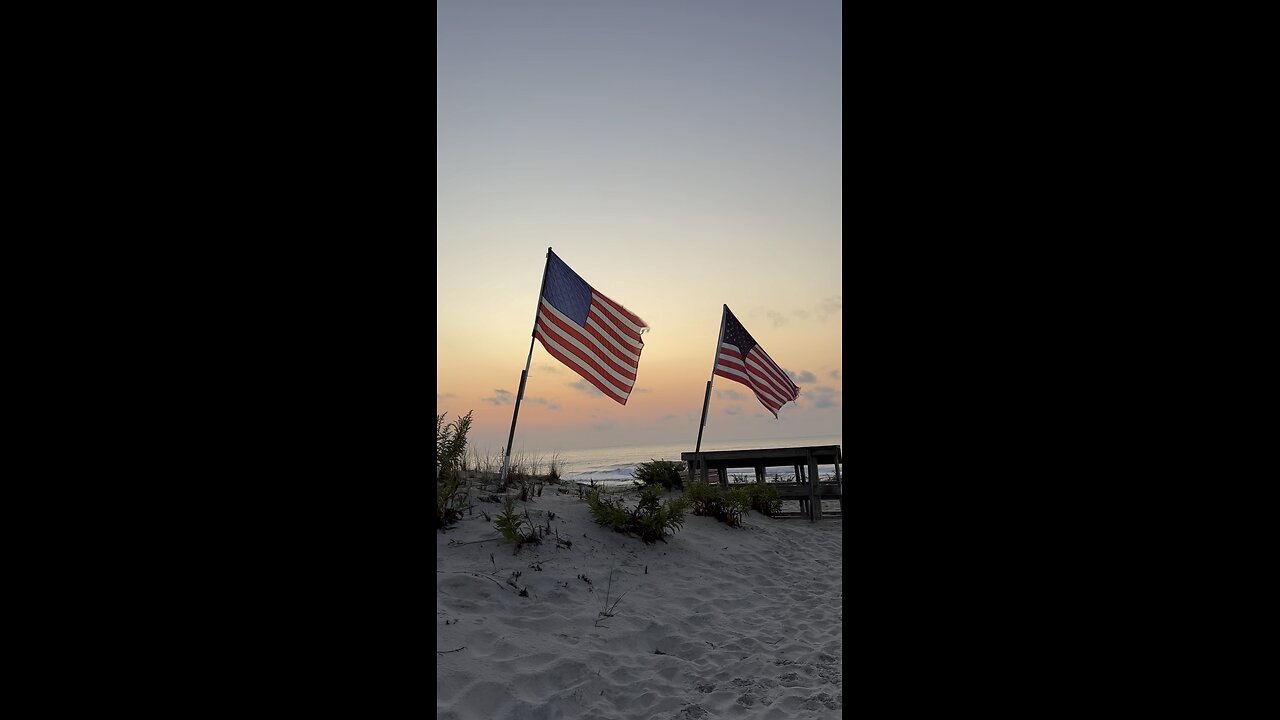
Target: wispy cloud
802,314
831,306
732,410
669,416
835,374
824,397
502,397
587,388
777,318
542,401
729,395
549,368
803,376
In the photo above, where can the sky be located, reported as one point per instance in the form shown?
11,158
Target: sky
678,155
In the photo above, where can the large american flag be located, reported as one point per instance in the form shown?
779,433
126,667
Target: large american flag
595,336
742,359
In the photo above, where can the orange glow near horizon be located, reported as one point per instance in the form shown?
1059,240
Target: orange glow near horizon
560,411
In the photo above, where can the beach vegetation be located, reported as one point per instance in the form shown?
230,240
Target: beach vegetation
711,500
451,453
764,499
519,469
554,466
515,527
524,466
737,502
651,519
608,604
486,464
451,445
659,472
608,512
509,522
451,498
655,518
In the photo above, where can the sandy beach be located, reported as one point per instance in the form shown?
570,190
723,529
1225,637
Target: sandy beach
716,622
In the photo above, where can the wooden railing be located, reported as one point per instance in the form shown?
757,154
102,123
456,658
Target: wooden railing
800,459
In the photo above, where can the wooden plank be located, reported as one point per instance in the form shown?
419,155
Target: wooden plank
788,514
787,491
780,457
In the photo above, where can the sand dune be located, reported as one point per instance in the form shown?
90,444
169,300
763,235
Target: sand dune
718,622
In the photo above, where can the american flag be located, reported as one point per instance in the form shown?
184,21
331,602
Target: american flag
595,336
742,359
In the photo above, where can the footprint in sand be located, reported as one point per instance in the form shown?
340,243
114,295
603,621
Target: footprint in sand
755,692
823,699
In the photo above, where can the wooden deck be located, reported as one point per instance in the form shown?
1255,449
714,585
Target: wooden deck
809,490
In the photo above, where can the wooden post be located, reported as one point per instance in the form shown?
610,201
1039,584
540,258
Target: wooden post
840,483
524,375
799,477
815,502
706,400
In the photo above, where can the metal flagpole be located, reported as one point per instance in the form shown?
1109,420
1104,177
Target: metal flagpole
524,375
706,401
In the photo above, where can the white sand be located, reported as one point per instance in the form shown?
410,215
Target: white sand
748,620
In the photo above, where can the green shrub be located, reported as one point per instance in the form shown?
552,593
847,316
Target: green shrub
737,503
652,519
451,458
727,506
659,472
451,445
515,528
764,499
705,499
609,512
449,501
508,522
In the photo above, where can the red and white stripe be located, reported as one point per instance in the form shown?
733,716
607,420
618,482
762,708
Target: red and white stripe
758,371
606,352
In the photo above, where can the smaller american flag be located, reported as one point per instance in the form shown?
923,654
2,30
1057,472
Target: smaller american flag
742,359
595,336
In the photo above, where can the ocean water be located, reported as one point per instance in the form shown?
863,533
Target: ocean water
616,464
